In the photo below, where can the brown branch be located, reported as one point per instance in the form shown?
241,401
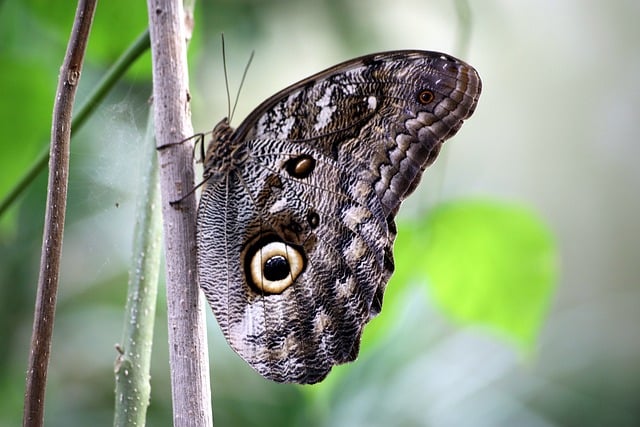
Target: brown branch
54,218
191,393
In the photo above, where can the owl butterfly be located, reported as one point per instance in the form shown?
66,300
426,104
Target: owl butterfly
296,219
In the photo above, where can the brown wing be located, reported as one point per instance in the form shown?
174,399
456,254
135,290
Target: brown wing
296,225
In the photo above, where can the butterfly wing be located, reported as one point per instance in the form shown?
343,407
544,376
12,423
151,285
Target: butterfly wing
395,108
296,223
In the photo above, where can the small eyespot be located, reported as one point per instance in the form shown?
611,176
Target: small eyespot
300,166
313,219
425,97
275,266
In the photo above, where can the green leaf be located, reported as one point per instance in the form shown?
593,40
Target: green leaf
28,89
32,54
487,263
116,24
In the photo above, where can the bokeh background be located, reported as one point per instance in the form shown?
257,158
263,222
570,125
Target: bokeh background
556,132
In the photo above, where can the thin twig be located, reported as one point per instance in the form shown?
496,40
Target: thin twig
133,387
191,392
117,70
54,218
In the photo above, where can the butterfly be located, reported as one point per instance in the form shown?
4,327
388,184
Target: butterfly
295,225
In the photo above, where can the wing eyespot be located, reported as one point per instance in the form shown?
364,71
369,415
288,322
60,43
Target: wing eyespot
300,166
274,266
425,96
313,219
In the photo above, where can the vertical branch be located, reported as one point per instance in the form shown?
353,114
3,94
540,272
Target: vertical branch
54,217
191,394
133,387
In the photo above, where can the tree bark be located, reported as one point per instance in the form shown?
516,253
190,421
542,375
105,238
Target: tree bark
191,393
47,292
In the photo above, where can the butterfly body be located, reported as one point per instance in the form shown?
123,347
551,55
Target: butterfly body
296,221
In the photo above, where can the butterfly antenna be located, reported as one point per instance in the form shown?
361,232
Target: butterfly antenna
244,74
226,76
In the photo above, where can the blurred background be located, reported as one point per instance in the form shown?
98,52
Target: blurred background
555,131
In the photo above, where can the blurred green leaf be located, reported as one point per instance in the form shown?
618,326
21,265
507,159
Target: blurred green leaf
30,87
488,263
116,25
34,36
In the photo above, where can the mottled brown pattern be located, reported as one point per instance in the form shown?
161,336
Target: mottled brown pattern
322,167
